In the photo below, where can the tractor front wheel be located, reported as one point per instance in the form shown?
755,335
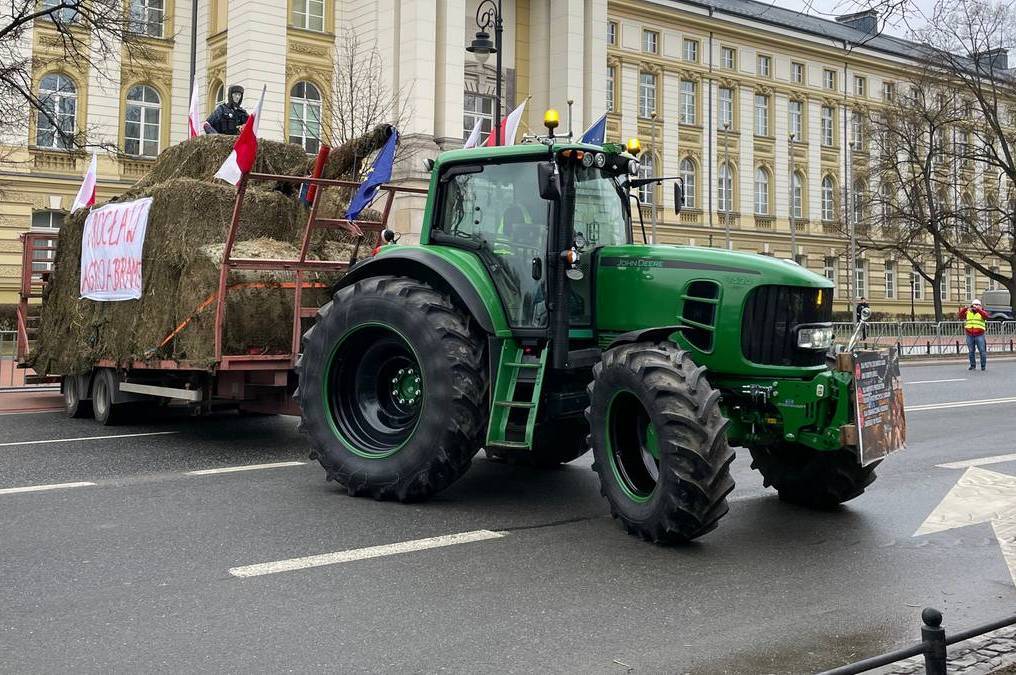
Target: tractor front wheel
393,389
659,442
814,478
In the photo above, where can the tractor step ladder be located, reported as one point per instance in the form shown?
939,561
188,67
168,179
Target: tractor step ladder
516,368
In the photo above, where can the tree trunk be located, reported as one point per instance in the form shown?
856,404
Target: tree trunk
936,295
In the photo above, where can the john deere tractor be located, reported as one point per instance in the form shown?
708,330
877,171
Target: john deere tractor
530,323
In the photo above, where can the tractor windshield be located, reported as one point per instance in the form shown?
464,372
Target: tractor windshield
601,213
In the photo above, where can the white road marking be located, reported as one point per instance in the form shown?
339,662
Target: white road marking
32,412
245,467
43,488
957,379
994,459
363,553
88,438
960,404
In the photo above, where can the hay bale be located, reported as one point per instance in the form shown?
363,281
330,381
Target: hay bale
344,161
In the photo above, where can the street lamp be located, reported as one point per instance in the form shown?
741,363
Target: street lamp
793,222
730,177
488,14
655,170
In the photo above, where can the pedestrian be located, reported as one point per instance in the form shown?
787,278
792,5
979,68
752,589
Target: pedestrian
975,321
862,305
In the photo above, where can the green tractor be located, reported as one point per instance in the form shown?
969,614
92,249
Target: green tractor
529,323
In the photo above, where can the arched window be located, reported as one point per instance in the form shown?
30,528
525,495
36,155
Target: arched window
761,192
725,189
54,126
647,193
797,195
857,202
305,116
688,175
828,199
142,123
220,94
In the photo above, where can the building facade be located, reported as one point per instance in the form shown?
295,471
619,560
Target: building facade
757,108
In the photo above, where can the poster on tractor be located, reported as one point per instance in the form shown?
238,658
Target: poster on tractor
111,244
881,422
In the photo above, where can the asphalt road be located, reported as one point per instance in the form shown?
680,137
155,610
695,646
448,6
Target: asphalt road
131,573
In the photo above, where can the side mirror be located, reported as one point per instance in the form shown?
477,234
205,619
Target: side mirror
678,195
865,314
550,184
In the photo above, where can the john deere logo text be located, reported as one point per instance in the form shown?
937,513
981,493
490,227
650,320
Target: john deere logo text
639,262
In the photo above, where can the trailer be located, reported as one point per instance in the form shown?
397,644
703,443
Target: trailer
256,383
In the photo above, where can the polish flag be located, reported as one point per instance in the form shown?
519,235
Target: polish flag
241,160
86,193
194,125
509,127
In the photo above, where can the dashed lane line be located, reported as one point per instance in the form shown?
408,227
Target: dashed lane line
88,438
245,467
960,404
350,555
955,379
44,488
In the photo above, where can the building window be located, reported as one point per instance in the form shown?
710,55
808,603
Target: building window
829,79
857,203
728,58
725,189
305,116
943,286
761,115
888,91
477,107
828,199
797,73
829,270
856,131
726,118
691,50
220,94
963,147
796,119
765,65
647,94
797,195
63,15
647,193
761,192
969,289
309,14
687,102
890,279
147,17
860,86
917,286
610,89
860,279
687,169
142,124
42,261
54,126
827,126
611,32
650,41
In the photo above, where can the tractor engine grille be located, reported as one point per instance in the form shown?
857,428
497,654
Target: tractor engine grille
771,314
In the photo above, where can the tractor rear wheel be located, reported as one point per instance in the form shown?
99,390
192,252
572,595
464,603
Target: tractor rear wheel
393,389
659,442
819,479
554,443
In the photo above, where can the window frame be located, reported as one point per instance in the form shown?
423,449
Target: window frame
143,107
690,200
688,102
829,271
766,61
763,182
612,29
761,114
733,107
694,44
828,187
798,74
796,129
890,279
59,97
140,25
829,79
611,84
306,104
827,126
644,86
650,41
860,86
725,187
797,182
732,53
305,22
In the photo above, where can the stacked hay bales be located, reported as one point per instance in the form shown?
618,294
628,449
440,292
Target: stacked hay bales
187,225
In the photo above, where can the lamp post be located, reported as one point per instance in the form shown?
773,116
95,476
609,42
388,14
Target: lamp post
729,177
652,187
488,14
793,222
913,288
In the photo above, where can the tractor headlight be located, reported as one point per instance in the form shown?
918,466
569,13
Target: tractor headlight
587,159
633,167
600,160
815,337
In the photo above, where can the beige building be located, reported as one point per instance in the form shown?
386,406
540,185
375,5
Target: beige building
729,82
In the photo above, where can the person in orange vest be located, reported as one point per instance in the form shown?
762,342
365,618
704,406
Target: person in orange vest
975,322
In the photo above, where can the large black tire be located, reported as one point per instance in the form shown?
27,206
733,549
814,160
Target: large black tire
554,443
374,431
73,403
818,479
106,412
659,442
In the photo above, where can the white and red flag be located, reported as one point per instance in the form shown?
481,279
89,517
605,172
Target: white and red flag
509,127
245,149
194,125
474,135
86,193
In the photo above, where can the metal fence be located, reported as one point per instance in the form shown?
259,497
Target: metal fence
927,338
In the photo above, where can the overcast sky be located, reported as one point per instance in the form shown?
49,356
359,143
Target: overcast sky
916,10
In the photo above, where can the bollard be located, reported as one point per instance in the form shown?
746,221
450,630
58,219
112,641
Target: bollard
933,637
957,346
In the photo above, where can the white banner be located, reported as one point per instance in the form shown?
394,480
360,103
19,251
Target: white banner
111,246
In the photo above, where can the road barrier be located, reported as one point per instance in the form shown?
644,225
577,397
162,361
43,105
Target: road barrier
927,338
933,646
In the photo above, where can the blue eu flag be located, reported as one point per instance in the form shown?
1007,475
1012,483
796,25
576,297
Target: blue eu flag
379,173
595,133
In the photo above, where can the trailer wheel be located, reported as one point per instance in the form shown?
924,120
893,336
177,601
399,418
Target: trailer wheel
659,442
73,404
393,389
814,478
106,412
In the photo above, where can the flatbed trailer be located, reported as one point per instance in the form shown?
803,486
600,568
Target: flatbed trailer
258,383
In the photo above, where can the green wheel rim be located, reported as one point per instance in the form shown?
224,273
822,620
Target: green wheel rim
373,390
632,446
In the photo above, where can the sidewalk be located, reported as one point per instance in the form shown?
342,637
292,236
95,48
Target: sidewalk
22,400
